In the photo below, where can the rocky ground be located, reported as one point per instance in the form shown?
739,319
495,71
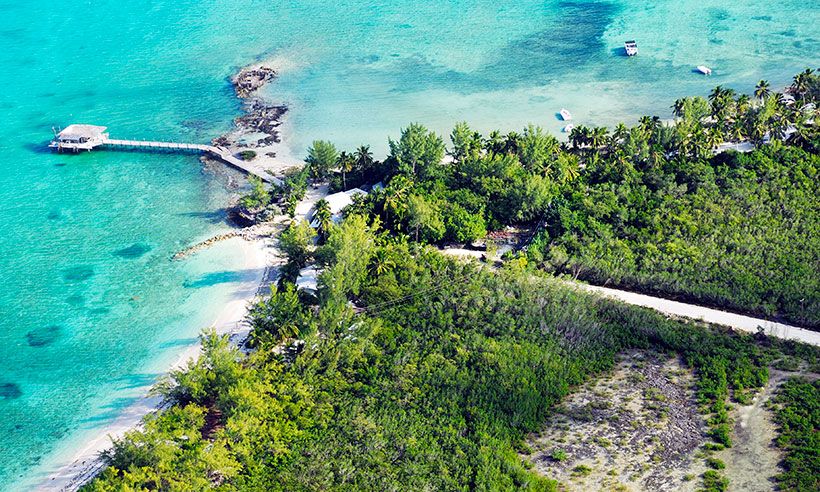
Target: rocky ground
259,128
259,124
637,428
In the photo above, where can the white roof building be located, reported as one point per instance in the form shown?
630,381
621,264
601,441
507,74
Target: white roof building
308,280
79,137
337,202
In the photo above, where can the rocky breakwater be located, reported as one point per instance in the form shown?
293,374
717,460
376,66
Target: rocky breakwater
259,125
257,232
204,244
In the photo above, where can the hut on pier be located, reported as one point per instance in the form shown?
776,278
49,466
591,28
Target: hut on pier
79,137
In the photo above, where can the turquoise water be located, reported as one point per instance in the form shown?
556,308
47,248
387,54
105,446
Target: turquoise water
91,308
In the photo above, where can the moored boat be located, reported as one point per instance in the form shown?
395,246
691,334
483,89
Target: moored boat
631,48
565,115
568,128
704,70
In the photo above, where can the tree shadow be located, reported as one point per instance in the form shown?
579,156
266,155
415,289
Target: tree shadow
179,342
214,217
223,277
138,380
111,411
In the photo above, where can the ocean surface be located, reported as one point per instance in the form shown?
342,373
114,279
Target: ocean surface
91,306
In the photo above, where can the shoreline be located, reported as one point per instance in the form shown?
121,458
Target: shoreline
85,464
260,118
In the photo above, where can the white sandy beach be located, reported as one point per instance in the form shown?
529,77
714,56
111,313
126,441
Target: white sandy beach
84,464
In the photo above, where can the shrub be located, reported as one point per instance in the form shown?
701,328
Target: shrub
722,434
247,155
714,482
558,455
798,415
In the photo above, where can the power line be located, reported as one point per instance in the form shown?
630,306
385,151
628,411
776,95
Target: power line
377,309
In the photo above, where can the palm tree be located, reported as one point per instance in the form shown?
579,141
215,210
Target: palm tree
324,217
723,106
729,94
713,139
619,134
511,143
382,261
578,136
743,104
802,132
677,107
569,166
645,123
800,86
719,99
345,163
395,196
598,137
782,124
700,143
737,132
494,143
364,158
762,89
716,94
655,157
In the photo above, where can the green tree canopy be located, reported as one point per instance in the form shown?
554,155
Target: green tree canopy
322,158
418,152
296,240
466,142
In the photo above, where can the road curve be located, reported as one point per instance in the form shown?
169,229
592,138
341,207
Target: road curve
691,311
709,315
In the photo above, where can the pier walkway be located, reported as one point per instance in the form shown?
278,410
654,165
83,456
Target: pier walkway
221,153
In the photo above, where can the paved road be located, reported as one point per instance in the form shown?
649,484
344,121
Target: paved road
715,316
675,308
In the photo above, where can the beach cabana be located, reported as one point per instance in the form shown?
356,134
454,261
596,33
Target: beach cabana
79,137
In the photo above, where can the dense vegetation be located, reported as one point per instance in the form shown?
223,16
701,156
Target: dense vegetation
432,383
648,208
738,231
798,414
410,371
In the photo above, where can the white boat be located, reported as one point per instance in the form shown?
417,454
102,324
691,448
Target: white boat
631,48
565,115
568,128
704,70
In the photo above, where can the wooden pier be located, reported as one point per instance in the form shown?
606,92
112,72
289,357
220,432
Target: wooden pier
221,153
87,137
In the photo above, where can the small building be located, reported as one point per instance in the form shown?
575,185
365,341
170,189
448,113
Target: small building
308,280
337,202
79,137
